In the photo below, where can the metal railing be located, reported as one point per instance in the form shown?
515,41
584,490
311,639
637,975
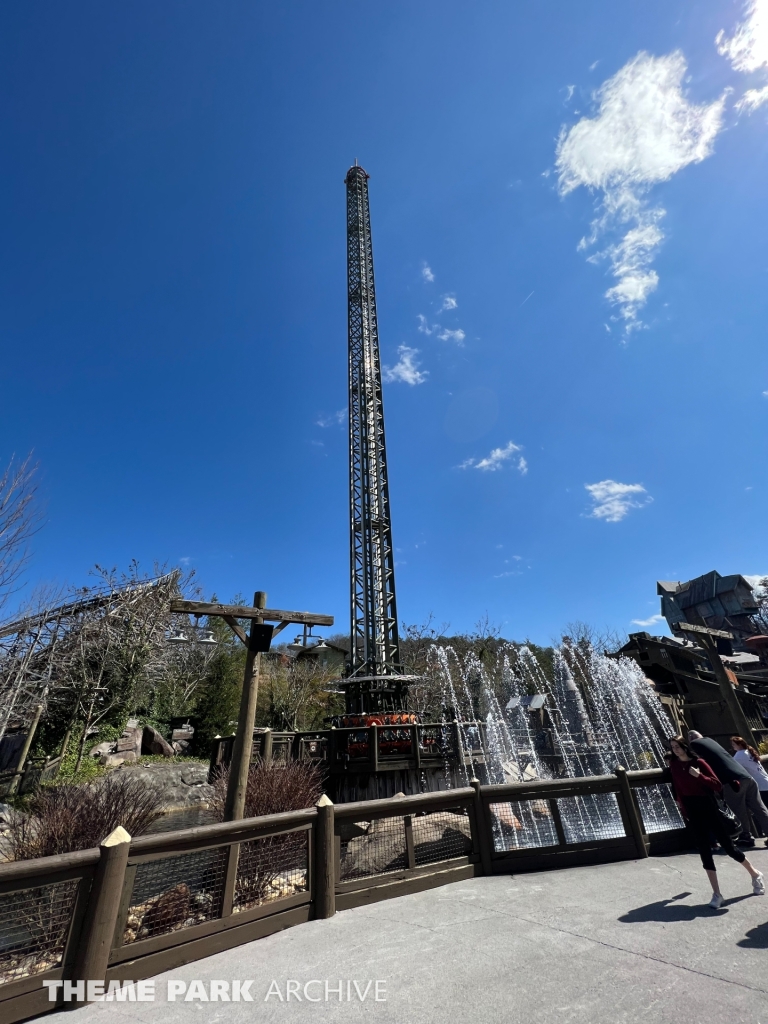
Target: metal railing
159,901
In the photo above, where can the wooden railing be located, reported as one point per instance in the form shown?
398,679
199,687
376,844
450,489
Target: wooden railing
132,911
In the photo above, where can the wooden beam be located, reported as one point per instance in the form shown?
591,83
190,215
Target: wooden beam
236,628
237,612
687,627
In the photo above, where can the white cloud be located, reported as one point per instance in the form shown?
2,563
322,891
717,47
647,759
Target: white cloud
612,500
458,336
406,369
449,302
752,99
755,581
497,459
570,90
426,272
648,622
424,325
333,419
765,394
747,49
644,132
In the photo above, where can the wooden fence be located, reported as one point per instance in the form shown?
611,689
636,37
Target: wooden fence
134,909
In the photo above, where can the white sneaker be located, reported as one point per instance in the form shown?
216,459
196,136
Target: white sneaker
717,901
758,886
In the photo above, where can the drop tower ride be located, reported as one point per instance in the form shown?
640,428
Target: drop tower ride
376,682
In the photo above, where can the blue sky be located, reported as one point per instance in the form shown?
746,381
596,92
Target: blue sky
173,311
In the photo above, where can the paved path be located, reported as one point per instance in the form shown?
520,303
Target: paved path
610,944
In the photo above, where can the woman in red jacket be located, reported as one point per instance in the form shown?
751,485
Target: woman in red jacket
695,785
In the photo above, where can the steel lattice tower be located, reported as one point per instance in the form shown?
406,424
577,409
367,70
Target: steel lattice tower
375,643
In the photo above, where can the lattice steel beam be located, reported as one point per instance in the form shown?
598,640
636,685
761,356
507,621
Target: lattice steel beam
375,643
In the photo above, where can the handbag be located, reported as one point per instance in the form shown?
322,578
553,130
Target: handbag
727,817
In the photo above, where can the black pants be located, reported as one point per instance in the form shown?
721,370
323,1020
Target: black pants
703,820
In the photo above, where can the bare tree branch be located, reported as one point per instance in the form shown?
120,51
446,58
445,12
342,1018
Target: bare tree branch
19,519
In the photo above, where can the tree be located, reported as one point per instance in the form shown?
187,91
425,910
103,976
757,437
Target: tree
217,697
19,519
296,694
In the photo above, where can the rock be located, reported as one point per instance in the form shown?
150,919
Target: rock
5,812
131,739
108,747
167,912
180,746
111,760
154,743
180,786
192,776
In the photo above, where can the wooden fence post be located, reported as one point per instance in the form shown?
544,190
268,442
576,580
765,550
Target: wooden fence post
31,730
632,816
325,856
266,747
482,833
410,848
103,906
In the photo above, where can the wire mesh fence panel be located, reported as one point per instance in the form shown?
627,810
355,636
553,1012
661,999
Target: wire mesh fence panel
441,835
590,817
658,808
522,825
271,868
34,924
372,847
176,892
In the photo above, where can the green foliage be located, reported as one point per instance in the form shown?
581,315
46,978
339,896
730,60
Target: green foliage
89,768
217,701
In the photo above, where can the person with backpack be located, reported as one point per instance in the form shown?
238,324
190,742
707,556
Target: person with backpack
695,784
740,790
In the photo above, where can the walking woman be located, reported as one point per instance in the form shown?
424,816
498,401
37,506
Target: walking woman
695,785
750,758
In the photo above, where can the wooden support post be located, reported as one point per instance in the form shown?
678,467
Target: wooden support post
103,906
481,833
415,749
557,820
373,741
230,880
25,750
410,848
65,742
266,747
243,746
325,859
457,741
632,814
726,689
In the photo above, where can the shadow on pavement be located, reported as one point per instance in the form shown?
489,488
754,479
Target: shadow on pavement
756,938
670,910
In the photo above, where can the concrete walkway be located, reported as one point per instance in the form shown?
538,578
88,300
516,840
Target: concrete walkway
609,944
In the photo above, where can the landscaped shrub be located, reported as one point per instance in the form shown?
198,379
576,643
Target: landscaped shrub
273,788
60,819
275,865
